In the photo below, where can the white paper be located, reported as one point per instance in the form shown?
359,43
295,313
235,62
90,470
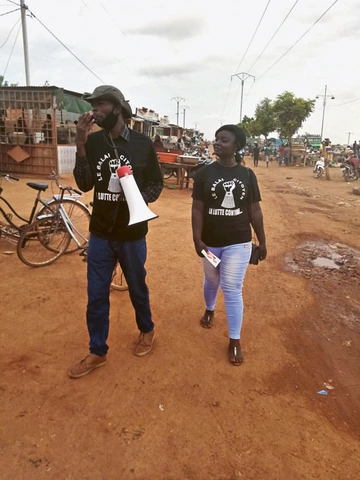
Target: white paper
213,259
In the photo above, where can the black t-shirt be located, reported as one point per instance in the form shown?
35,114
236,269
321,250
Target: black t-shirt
226,195
110,214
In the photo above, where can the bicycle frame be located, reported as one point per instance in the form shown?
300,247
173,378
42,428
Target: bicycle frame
70,227
26,220
11,231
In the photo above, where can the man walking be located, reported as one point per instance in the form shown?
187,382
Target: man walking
256,153
98,157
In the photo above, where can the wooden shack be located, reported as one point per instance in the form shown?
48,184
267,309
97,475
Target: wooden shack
37,129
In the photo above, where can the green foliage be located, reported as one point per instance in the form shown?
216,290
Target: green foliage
4,83
250,127
265,117
290,112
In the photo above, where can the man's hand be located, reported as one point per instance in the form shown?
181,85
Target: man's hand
83,128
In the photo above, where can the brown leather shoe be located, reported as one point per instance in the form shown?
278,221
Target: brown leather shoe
144,344
86,365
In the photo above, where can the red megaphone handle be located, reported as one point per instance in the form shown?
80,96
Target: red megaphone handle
122,171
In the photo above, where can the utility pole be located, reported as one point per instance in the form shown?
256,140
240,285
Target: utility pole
178,100
24,9
324,107
349,133
184,107
242,77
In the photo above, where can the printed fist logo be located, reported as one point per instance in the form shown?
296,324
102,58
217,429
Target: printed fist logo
114,182
228,201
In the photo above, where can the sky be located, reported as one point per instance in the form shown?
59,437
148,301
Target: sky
157,51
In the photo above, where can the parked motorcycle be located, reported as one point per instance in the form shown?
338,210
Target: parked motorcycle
349,172
203,161
319,168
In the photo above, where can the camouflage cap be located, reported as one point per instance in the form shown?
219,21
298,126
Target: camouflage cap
113,94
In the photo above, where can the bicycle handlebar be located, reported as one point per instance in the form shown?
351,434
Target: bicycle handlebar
6,175
69,189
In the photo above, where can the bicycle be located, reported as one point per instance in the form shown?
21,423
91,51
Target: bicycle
61,226
10,231
49,237
77,211
168,172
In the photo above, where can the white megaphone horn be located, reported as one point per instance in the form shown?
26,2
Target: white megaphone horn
138,210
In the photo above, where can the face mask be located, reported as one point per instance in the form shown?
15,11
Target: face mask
109,122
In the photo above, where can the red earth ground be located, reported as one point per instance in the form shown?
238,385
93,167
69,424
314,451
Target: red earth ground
183,412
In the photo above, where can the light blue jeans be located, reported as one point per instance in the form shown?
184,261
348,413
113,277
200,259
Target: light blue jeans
229,275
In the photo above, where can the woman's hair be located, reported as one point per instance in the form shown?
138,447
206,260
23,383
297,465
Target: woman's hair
240,138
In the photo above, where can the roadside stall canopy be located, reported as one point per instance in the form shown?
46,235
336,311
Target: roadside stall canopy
43,98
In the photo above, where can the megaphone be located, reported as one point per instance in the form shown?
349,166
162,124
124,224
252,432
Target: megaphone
138,210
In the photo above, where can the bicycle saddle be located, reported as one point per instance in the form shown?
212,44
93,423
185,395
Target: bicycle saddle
38,186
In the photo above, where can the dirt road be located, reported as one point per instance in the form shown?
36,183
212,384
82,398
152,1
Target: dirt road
183,412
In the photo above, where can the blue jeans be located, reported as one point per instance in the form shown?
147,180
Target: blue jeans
101,260
229,275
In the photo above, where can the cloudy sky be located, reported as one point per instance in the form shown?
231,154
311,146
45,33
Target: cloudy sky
155,51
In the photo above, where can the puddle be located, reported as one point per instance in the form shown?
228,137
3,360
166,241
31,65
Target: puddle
314,258
325,262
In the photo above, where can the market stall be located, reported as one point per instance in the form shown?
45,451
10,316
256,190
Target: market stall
38,129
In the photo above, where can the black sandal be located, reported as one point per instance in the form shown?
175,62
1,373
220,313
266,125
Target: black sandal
207,320
235,355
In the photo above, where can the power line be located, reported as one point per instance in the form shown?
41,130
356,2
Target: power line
227,97
10,1
7,64
243,76
11,11
272,38
298,40
345,103
266,46
151,70
247,49
252,38
67,48
7,38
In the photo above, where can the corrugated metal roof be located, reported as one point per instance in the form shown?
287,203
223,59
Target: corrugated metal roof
42,88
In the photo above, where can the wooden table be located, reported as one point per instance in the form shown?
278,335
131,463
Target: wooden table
183,172
178,168
187,169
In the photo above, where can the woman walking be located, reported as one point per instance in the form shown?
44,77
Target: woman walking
226,200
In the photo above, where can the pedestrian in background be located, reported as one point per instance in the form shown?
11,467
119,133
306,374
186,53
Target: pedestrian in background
256,154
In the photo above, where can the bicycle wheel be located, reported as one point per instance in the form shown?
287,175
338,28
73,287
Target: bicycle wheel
43,241
317,172
167,172
118,281
80,219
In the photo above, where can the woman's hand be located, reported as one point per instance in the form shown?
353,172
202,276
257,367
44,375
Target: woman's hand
262,251
200,245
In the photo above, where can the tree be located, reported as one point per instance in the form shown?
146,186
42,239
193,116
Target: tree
265,117
4,83
249,126
290,113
